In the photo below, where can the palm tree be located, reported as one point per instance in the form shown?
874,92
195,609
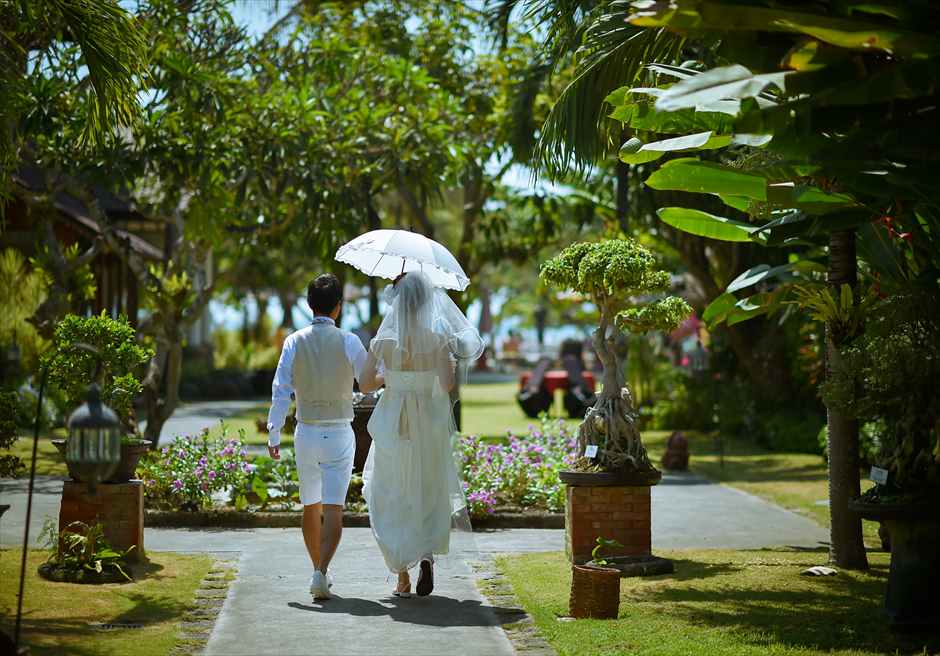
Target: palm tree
112,46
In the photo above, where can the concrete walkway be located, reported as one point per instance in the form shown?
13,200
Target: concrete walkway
269,611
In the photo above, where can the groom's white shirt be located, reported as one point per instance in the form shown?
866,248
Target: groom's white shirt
283,386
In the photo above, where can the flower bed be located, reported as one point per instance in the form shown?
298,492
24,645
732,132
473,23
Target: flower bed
217,476
186,474
521,473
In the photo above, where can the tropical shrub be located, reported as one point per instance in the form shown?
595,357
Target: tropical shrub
71,369
185,474
522,472
22,290
889,373
10,465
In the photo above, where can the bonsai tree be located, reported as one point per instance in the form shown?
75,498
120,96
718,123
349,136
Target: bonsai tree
72,369
619,276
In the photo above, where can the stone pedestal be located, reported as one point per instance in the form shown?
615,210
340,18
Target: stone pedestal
118,506
614,512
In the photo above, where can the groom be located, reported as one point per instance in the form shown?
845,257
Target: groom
317,365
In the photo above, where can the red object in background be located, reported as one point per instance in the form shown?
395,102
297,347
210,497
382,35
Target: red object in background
557,379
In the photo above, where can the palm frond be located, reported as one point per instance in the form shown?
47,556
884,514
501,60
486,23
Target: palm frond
577,132
113,45
523,124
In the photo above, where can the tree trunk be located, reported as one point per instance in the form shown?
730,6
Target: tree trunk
163,375
262,300
611,423
287,300
847,548
623,196
246,322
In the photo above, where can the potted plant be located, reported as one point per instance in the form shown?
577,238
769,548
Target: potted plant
118,357
621,278
889,373
595,587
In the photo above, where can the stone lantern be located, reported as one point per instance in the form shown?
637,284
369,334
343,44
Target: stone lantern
93,449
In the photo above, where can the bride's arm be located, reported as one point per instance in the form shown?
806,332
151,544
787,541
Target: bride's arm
371,378
446,368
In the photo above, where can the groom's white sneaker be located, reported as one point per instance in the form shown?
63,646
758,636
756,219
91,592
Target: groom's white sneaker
319,585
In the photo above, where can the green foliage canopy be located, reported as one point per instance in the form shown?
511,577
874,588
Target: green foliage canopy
613,271
71,369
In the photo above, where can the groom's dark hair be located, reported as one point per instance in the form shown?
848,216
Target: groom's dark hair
324,293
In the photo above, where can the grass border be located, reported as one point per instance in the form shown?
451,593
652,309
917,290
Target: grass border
523,634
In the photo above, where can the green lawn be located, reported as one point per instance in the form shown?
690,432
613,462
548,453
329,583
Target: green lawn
488,410
56,616
48,460
733,603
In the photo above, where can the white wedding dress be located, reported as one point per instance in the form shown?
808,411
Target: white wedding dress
411,483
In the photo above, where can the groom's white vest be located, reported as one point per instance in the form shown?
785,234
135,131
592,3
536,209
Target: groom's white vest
323,375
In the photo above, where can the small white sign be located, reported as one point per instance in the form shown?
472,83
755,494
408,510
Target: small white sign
590,451
879,475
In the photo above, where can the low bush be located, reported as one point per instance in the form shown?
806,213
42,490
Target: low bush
81,554
792,432
269,484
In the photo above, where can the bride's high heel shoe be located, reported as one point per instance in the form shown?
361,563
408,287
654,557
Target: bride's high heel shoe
403,590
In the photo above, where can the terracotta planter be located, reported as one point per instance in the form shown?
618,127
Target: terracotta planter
595,592
914,577
130,456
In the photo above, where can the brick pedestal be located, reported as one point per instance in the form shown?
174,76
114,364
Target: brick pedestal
619,513
118,506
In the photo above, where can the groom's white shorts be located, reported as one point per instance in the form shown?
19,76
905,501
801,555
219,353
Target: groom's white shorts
324,455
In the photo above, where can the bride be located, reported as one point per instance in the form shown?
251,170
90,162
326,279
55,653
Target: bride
410,478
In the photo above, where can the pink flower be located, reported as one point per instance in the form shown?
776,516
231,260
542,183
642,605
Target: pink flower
177,485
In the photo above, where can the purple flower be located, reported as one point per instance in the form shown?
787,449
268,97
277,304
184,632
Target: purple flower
230,465
202,461
181,453
244,452
211,474
177,485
